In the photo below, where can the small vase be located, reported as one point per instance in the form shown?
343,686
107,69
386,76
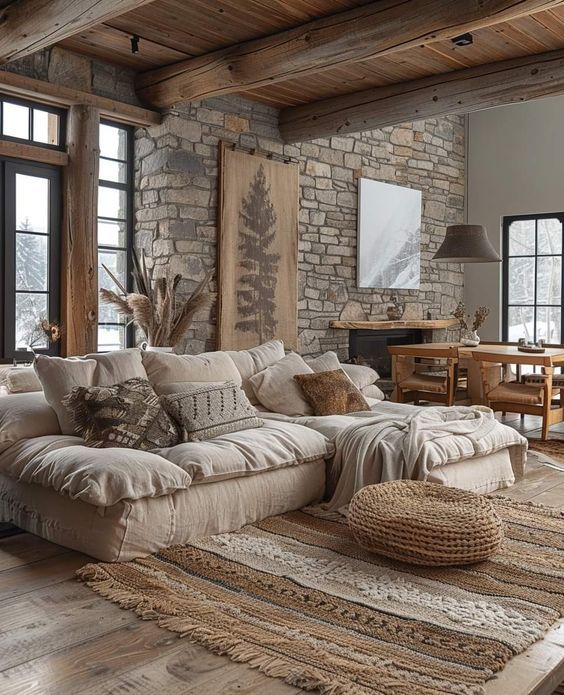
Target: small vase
470,339
151,348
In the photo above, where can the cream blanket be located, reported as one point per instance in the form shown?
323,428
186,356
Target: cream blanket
376,449
397,441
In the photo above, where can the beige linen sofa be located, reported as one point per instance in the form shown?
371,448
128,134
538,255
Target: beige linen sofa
116,504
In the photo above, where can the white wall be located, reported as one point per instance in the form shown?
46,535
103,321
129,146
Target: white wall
515,166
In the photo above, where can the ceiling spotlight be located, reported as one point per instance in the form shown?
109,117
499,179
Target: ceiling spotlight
463,40
135,44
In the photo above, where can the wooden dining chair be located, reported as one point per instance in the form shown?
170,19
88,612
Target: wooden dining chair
429,374
517,396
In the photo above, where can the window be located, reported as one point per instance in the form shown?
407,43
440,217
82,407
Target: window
115,228
532,277
30,249
33,123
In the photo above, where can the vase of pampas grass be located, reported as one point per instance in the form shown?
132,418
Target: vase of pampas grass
155,307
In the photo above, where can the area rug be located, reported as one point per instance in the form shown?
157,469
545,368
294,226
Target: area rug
295,597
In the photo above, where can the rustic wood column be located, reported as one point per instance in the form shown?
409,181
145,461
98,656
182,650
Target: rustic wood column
79,267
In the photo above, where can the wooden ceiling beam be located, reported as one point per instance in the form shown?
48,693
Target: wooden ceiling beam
377,29
457,92
59,95
27,26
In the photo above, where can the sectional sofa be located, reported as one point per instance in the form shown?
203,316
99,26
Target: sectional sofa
116,504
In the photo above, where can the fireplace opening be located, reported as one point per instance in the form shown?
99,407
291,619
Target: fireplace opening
371,347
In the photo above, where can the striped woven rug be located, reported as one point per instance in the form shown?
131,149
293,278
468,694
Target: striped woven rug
295,597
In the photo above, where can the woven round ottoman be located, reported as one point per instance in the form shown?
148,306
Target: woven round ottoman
425,524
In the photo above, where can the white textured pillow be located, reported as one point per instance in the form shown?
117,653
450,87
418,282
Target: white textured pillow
166,368
205,411
250,362
59,375
185,386
276,389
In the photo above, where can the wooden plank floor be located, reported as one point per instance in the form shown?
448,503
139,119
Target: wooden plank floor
58,637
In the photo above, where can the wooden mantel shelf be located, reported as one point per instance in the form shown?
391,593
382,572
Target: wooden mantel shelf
422,324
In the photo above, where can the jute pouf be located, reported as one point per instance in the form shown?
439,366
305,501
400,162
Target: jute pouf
425,524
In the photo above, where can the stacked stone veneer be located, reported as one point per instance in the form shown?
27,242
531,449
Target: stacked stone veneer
176,208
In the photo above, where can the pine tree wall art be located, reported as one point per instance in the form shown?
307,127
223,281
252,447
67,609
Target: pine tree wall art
258,251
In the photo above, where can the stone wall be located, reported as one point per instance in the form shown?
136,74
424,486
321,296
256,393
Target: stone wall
176,201
69,69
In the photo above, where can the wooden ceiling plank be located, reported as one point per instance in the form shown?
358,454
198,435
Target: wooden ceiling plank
461,91
27,26
58,95
373,30
106,43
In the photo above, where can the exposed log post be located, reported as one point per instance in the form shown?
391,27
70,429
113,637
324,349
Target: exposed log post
79,268
377,29
461,91
27,26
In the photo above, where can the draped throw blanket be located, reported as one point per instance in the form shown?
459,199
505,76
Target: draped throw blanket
408,445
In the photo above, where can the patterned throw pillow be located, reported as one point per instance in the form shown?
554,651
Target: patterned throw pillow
127,415
331,393
210,410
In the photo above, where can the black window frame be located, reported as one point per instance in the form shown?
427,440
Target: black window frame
507,221
31,105
128,187
9,167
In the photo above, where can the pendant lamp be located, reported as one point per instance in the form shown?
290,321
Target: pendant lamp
466,243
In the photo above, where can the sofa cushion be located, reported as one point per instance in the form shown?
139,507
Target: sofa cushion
166,368
101,477
204,412
250,362
60,375
276,389
25,415
127,415
276,444
331,393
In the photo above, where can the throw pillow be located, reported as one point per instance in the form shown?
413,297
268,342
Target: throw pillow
58,376
250,362
362,377
168,368
276,389
205,411
331,393
127,415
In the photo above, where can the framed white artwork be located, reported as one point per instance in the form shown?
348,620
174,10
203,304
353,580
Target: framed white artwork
389,236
